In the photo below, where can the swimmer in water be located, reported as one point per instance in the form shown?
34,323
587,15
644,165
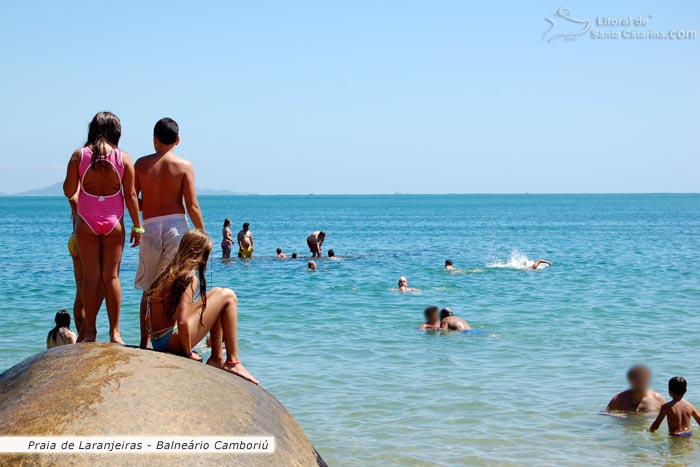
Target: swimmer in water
448,265
294,255
450,322
539,262
432,318
679,411
280,254
312,265
638,398
331,254
403,285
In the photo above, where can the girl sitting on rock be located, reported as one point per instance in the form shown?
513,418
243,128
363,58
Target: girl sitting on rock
177,322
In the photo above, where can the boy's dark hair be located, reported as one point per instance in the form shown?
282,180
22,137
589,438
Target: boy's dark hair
166,130
279,250
331,253
677,386
294,255
246,225
448,262
430,310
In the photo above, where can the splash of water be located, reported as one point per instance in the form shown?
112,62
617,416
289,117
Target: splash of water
517,260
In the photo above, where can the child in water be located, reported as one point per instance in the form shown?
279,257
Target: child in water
177,319
678,410
61,333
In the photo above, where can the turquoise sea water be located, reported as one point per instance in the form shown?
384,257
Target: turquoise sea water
342,351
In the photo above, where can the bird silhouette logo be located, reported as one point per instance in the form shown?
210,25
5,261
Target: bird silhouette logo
567,28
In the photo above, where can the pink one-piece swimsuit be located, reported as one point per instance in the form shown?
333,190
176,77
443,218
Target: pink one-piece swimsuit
101,213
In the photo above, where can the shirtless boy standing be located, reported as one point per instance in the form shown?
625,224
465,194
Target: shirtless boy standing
166,185
678,410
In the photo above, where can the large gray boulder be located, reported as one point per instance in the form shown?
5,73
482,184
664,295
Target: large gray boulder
111,390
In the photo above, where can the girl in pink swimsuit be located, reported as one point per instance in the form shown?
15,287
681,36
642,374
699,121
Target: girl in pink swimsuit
103,176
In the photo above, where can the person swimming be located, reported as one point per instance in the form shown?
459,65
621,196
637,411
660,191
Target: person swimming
61,333
331,254
280,254
294,255
402,286
432,318
539,262
449,321
312,266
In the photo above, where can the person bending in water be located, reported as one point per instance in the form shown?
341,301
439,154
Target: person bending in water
227,241
638,398
539,262
403,285
450,322
280,254
61,333
315,243
245,242
177,322
432,318
679,411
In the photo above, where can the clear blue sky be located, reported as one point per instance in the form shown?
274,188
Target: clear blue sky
358,97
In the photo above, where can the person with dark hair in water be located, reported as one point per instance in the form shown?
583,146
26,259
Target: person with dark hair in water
638,398
294,255
432,318
315,242
678,411
280,254
104,174
227,242
61,333
449,321
245,242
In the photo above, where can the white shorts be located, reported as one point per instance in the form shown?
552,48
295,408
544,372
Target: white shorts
159,245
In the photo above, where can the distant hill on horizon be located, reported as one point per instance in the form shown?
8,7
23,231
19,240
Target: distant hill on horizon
57,190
